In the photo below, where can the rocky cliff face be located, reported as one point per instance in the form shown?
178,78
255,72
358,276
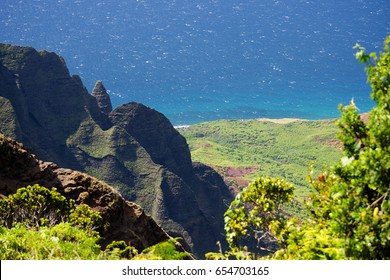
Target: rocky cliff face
127,221
102,98
133,148
48,103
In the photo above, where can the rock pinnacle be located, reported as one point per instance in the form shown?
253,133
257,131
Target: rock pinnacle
102,97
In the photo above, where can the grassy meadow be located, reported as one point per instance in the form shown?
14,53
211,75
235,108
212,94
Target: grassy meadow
243,150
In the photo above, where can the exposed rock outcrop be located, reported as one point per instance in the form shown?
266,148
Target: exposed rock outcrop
127,221
133,148
102,97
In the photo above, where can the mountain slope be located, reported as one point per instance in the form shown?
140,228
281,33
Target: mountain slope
127,221
133,148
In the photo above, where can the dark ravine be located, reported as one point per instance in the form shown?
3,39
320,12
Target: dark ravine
133,148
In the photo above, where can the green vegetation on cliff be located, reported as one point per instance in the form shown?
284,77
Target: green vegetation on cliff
7,113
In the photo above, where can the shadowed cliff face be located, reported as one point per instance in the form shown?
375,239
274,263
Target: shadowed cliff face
133,148
165,145
48,102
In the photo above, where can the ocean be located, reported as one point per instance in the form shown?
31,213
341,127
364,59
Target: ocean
198,60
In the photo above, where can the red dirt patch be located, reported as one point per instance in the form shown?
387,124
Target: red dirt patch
203,145
234,176
334,143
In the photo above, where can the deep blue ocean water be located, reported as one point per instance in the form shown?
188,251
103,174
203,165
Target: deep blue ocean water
198,60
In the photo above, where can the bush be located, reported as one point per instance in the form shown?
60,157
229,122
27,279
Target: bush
39,223
34,206
256,214
163,251
62,241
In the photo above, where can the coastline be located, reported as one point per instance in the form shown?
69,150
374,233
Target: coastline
277,121
364,117
281,120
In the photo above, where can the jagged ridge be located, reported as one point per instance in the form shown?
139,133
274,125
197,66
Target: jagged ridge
133,148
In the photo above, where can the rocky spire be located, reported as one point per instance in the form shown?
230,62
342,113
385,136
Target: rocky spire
102,97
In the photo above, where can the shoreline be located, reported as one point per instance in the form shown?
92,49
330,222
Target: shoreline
277,120
364,117
280,120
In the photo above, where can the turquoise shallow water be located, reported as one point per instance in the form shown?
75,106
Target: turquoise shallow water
209,59
276,105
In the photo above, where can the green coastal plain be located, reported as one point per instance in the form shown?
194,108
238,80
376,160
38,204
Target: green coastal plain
243,150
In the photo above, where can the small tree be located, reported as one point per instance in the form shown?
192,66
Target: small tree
255,216
36,206
359,209
350,207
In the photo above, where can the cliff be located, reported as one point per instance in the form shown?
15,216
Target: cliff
133,148
127,221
